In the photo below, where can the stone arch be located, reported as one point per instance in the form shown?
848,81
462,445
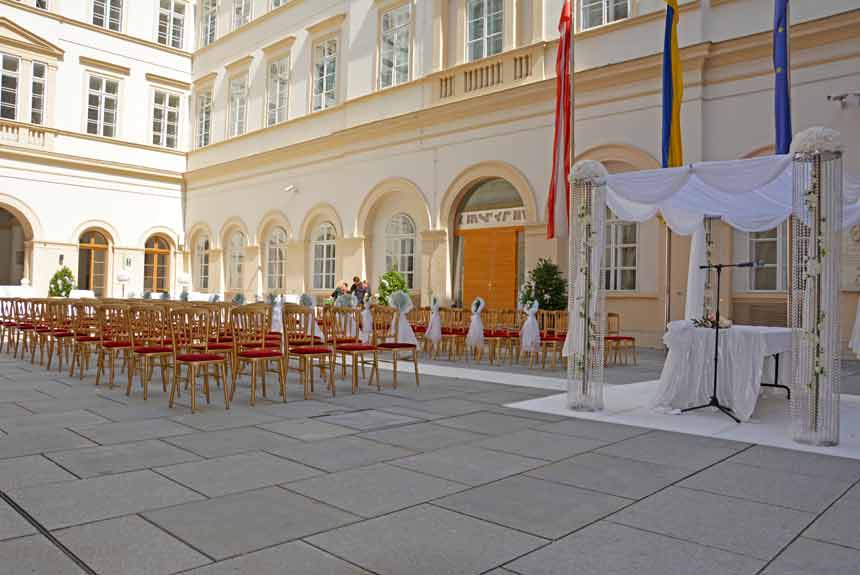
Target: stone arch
195,231
621,157
229,226
171,236
484,171
102,226
379,192
270,219
318,213
26,217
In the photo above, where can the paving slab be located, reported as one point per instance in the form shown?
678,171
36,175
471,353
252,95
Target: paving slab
12,524
423,436
125,431
469,465
130,546
8,394
540,445
599,430
368,420
839,524
35,555
243,522
297,409
615,475
805,557
676,449
12,410
793,490
155,408
231,441
110,459
89,403
308,429
47,420
451,406
58,505
340,453
605,548
234,473
487,422
375,490
218,418
426,540
29,471
735,525
40,440
801,462
549,510
294,558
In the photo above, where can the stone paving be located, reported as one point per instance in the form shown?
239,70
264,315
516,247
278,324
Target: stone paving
441,480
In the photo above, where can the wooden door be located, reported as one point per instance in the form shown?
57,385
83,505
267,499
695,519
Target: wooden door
490,267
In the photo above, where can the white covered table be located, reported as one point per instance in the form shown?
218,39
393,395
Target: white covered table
688,374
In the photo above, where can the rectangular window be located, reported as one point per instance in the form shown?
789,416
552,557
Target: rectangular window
278,97
396,45
102,104
9,86
325,74
277,3
204,118
768,250
37,100
208,21
165,119
241,13
238,109
620,255
600,12
484,21
108,14
171,22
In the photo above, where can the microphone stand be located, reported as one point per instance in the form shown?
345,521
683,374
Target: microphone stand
715,401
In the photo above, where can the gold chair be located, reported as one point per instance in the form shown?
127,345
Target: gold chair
553,333
302,346
617,346
115,338
150,341
251,326
387,342
189,328
86,339
344,336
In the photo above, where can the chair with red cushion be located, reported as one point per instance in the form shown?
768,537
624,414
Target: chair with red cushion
345,327
305,348
221,340
41,329
387,340
61,337
115,339
189,334
86,339
553,333
24,326
617,346
7,323
251,327
150,341
454,330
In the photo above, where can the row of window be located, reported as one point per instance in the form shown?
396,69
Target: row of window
10,84
93,257
399,255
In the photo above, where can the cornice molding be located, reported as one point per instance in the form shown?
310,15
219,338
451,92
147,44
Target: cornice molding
34,42
635,21
237,65
108,66
281,45
203,80
250,25
324,25
171,82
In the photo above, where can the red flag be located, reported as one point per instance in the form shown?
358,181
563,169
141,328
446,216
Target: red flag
558,203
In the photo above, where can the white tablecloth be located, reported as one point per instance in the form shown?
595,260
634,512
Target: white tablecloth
16,291
688,374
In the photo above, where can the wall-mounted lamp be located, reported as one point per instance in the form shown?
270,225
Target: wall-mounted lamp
62,257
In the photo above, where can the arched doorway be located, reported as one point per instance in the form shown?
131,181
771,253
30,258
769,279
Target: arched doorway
92,262
489,244
12,249
156,265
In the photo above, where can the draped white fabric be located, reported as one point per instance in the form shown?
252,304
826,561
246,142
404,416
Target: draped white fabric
434,326
696,276
400,323
475,335
366,322
530,332
751,195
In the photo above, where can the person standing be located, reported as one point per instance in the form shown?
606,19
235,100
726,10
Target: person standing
358,289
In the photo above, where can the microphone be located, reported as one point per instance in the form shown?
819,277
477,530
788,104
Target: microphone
747,265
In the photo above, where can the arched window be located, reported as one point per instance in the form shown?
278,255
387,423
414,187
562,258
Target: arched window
201,263
236,259
156,265
92,262
276,259
323,246
400,247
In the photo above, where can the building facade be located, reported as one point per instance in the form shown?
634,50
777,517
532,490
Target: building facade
333,138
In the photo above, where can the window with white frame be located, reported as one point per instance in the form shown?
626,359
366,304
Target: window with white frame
621,253
325,74
171,22
278,3
108,14
204,118
484,28
600,12
395,46
102,106
276,259
238,105
768,250
323,246
278,96
201,257
400,247
165,119
236,258
208,22
9,70
37,93
241,12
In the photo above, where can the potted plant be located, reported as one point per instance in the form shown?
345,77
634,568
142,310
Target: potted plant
62,283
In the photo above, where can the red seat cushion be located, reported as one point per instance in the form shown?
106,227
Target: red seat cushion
419,328
347,340
304,342
86,338
153,349
354,347
553,338
453,331
44,329
220,340
25,326
619,338
62,333
116,344
257,353
396,345
310,350
197,357
222,345
273,334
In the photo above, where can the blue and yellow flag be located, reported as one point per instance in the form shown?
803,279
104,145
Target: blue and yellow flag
673,90
782,75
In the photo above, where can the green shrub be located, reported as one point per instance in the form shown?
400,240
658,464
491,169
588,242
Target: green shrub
62,283
546,285
390,282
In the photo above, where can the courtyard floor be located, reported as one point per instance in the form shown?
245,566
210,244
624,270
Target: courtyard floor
441,480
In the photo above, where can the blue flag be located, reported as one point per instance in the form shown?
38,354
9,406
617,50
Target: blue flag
782,76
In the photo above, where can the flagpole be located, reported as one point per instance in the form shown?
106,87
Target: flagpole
571,300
